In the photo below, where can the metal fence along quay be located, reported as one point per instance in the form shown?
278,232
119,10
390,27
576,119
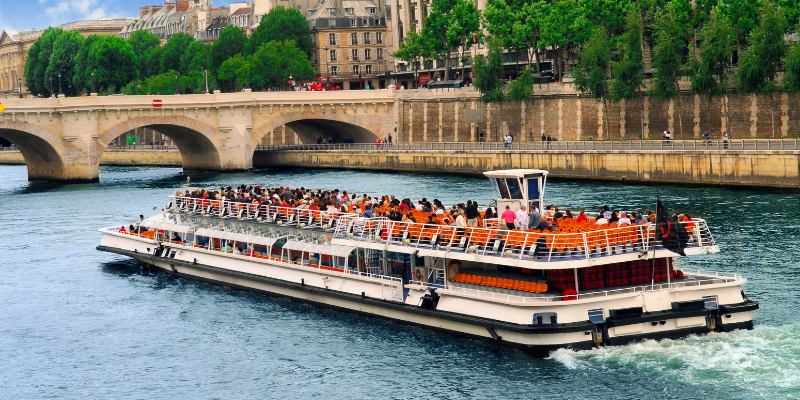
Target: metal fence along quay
621,145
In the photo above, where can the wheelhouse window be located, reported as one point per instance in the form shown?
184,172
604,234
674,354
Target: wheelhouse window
514,188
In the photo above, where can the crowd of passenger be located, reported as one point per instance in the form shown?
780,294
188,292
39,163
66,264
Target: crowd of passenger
433,212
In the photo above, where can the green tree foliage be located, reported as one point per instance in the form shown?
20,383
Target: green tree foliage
231,42
143,42
709,72
169,82
488,72
742,15
628,72
450,25
197,57
111,63
591,75
151,61
233,73
516,23
38,61
81,73
274,62
564,25
282,24
410,49
666,56
791,68
521,88
62,63
173,52
759,63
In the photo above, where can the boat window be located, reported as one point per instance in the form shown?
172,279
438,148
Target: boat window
546,318
503,188
514,188
533,189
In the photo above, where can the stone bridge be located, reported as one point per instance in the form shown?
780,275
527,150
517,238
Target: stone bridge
63,138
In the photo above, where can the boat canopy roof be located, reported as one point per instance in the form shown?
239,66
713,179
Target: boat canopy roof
167,226
238,237
327,249
514,173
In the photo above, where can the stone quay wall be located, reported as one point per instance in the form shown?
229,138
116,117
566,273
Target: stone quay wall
780,169
164,158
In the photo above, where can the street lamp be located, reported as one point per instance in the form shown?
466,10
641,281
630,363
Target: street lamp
205,72
176,83
51,86
59,85
92,80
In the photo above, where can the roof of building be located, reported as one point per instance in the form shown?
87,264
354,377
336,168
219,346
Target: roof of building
242,11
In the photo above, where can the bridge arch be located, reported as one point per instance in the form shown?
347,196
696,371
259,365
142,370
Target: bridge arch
197,142
41,149
341,128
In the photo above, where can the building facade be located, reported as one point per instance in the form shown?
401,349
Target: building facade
351,42
14,48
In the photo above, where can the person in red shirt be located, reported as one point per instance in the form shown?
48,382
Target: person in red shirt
509,216
582,217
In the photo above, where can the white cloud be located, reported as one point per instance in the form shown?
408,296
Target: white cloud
61,11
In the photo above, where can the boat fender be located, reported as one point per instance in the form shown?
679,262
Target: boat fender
418,275
452,269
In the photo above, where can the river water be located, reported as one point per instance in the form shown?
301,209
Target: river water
76,323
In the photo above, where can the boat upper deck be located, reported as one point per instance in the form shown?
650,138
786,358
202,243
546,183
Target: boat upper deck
573,245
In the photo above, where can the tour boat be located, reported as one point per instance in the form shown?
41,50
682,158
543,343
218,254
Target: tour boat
580,287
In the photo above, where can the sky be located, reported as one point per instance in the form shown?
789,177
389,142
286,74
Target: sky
19,15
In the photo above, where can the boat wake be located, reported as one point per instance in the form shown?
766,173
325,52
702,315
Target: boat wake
764,361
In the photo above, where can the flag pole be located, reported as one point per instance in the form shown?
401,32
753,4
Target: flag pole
653,259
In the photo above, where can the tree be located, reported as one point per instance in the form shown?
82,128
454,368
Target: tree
521,88
667,60
231,42
38,60
742,15
282,24
62,63
142,42
173,52
516,23
410,50
81,72
628,72
591,74
197,57
274,62
450,25
489,73
151,61
564,25
759,64
791,68
233,72
710,69
111,63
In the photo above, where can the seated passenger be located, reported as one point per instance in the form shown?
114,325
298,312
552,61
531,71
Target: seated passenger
582,217
623,219
543,224
122,229
568,214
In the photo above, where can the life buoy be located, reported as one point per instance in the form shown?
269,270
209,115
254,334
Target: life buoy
418,275
453,268
569,294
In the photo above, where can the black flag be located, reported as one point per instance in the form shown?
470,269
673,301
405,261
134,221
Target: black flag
672,235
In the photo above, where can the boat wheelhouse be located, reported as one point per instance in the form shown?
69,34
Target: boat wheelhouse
581,286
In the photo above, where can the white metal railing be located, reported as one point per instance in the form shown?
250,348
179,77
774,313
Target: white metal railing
496,242
576,145
714,278
503,243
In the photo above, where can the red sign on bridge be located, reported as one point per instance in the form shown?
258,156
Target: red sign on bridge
157,103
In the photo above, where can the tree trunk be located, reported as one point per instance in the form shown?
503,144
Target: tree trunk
447,66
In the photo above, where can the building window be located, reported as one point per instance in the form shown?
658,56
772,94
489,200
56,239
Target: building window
379,54
349,11
332,39
356,70
353,23
353,38
378,37
332,56
332,22
367,54
332,12
365,23
334,70
368,69
366,38
371,10
354,54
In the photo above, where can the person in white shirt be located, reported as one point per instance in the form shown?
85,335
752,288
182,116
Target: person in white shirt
461,222
623,219
522,220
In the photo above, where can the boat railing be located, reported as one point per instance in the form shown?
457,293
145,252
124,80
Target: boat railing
527,245
510,296
287,216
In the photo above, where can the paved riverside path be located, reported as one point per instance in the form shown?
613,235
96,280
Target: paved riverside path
762,163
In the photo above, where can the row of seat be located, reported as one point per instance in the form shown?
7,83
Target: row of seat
502,283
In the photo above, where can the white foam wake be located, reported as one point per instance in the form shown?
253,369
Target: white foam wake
765,360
